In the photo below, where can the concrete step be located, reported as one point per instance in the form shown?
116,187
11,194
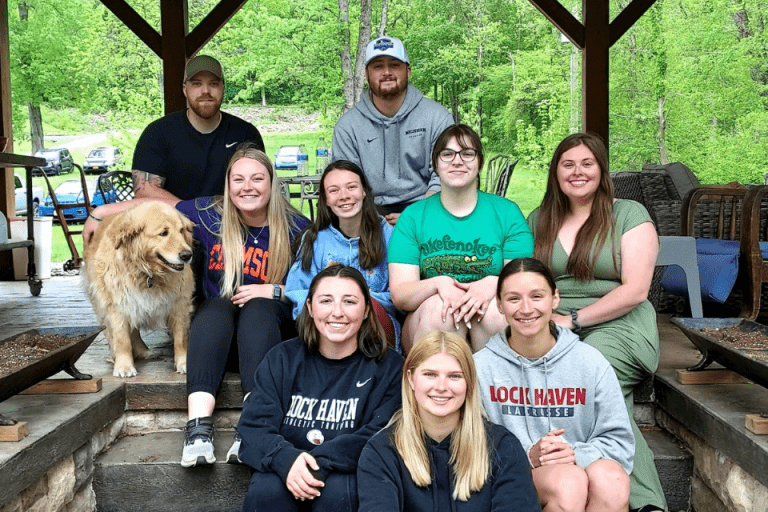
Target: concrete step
142,474
675,466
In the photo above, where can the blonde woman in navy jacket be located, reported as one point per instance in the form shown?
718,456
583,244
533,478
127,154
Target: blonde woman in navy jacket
438,453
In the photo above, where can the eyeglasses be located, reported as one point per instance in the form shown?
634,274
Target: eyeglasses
467,155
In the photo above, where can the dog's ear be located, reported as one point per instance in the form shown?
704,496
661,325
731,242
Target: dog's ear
189,228
128,228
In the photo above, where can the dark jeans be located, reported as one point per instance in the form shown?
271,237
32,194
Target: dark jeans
267,492
224,337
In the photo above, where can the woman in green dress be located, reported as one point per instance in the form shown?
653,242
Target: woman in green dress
603,252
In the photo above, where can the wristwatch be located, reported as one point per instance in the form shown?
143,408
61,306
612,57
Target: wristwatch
575,319
277,293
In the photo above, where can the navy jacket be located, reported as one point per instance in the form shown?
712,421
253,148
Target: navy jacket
307,403
384,483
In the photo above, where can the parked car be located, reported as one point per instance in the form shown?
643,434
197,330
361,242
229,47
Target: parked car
71,191
57,161
287,157
103,159
21,196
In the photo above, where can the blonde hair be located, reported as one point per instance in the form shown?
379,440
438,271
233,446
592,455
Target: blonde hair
233,232
470,450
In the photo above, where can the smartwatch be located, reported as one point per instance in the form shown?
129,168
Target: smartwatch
277,293
575,319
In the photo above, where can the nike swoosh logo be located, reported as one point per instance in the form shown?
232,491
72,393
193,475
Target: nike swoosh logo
371,140
230,144
361,384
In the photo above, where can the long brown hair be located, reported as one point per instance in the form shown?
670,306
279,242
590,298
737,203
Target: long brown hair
470,450
372,249
555,206
369,340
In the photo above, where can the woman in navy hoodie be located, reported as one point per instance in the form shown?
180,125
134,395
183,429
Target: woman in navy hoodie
318,399
438,453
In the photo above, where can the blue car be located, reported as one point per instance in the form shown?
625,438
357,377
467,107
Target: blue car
71,192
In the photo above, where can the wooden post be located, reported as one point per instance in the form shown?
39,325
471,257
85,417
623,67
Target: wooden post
174,28
7,188
594,69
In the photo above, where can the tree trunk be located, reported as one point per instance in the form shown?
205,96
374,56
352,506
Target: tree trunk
263,96
364,37
383,25
346,59
662,131
35,127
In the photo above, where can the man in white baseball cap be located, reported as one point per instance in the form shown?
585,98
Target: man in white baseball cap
390,132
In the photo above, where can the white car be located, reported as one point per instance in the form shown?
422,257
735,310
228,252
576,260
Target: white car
21,196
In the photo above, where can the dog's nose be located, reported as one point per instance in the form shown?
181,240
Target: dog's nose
185,256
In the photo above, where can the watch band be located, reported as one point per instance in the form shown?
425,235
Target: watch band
575,319
277,293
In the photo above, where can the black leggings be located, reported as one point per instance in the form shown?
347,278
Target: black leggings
219,326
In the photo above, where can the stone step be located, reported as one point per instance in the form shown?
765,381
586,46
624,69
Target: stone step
142,474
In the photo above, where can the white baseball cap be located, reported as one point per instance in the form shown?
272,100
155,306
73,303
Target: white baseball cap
385,45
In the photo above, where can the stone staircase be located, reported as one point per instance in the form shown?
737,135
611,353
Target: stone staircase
141,473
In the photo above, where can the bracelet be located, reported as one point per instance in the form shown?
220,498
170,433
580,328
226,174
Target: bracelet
91,215
575,319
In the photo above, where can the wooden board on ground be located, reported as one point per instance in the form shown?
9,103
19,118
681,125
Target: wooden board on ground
61,386
756,424
15,432
714,376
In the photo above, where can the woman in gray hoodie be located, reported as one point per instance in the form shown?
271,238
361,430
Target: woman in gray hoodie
559,396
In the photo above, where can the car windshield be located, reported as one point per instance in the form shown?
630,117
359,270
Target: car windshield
73,187
97,153
48,155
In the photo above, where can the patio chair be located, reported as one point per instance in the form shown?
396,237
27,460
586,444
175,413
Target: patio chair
122,182
655,190
498,174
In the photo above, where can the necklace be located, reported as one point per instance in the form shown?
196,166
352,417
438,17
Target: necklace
257,235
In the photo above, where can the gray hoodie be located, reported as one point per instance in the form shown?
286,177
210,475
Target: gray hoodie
572,387
395,152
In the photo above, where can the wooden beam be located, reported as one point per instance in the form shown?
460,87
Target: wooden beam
136,24
7,188
595,69
174,26
211,24
562,19
628,17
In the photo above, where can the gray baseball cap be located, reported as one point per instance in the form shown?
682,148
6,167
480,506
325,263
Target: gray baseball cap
203,63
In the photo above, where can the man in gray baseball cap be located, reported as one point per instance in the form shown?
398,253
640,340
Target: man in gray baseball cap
390,132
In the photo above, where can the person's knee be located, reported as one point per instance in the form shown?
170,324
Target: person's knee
338,495
608,485
562,487
267,491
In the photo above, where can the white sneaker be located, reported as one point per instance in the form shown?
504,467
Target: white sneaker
233,455
198,443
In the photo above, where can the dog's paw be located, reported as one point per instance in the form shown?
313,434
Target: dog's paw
181,366
124,372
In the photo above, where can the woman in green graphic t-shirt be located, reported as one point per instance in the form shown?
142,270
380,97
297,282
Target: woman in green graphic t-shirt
447,249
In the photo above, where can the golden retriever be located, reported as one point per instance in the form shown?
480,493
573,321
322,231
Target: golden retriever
137,275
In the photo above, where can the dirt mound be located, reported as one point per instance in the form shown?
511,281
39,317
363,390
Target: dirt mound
278,119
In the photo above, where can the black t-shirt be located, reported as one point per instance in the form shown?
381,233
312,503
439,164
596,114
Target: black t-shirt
193,164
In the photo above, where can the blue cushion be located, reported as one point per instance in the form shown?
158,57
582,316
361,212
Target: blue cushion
718,267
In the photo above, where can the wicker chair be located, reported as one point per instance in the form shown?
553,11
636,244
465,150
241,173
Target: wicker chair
656,190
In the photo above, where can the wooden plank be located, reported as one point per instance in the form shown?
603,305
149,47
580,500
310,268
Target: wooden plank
756,424
174,23
14,433
136,24
709,377
64,386
211,24
562,19
628,17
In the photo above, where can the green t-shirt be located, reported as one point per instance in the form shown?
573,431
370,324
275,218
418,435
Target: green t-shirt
465,248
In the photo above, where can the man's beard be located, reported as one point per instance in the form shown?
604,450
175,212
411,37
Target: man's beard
389,93
206,110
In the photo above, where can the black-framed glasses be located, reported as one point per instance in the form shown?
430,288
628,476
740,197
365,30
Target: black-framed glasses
467,154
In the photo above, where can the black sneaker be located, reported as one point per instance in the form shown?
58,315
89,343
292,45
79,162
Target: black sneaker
198,443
